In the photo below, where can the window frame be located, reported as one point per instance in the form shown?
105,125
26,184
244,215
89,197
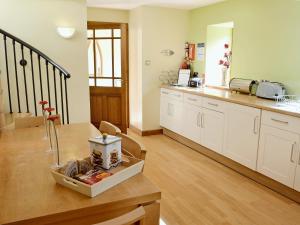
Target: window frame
110,26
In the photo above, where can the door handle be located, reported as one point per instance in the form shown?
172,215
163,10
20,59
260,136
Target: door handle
280,121
192,99
198,120
202,120
255,125
299,160
292,153
213,104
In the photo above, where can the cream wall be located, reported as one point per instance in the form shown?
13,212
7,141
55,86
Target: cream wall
163,28
265,38
35,22
151,30
107,15
135,68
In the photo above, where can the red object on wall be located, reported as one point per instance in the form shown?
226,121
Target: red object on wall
191,51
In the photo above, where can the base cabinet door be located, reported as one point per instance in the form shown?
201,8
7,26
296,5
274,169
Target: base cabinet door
212,132
192,122
297,178
174,118
277,154
164,110
242,134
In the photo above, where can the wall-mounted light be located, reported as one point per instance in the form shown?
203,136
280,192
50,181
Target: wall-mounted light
167,52
66,32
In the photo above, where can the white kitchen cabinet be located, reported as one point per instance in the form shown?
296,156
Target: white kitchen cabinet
278,154
297,177
171,108
212,130
164,109
242,134
192,122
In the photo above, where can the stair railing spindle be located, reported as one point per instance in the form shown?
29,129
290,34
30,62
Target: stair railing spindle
33,83
62,97
16,74
25,82
66,95
48,85
55,90
7,74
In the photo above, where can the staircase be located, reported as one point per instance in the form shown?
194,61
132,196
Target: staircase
28,76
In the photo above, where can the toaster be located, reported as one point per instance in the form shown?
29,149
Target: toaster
270,90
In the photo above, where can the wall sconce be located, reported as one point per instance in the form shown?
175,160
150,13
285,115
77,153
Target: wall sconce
167,52
66,32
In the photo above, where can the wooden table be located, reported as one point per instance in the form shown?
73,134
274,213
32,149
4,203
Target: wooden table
29,194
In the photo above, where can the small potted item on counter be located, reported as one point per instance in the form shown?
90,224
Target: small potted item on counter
105,151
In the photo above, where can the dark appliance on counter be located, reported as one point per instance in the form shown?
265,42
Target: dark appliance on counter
195,81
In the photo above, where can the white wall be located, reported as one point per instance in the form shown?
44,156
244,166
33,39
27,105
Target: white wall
107,15
35,22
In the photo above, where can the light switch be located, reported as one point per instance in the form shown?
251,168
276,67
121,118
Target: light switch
148,62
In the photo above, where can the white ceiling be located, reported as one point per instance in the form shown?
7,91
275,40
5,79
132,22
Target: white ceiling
130,4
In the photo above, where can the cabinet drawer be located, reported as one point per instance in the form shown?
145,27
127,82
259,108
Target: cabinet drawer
213,104
176,95
281,121
193,99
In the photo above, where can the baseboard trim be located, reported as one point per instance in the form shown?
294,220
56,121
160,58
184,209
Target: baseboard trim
145,132
259,178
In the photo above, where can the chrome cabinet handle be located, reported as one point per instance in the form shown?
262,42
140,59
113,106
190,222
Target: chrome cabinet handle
255,125
279,121
202,120
213,104
165,92
169,109
198,120
192,99
176,95
292,153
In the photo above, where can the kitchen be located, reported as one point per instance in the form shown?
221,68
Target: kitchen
212,91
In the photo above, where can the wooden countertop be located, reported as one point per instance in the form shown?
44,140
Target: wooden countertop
243,99
29,193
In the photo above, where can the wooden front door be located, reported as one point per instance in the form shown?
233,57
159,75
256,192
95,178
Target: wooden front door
108,73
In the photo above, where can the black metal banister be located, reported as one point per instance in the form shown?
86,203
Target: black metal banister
22,96
65,73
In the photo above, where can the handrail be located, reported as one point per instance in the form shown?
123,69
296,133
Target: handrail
65,73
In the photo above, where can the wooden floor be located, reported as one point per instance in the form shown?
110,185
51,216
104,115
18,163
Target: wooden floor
199,191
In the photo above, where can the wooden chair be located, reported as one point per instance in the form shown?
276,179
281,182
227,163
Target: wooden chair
132,148
27,122
31,121
136,216
106,127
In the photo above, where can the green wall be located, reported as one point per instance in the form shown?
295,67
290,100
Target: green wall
266,38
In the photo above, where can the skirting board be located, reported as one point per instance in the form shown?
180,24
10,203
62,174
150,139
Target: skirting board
145,132
259,178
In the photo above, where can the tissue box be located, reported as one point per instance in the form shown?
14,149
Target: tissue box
105,153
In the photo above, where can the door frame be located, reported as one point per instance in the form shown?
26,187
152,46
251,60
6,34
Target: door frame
124,65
